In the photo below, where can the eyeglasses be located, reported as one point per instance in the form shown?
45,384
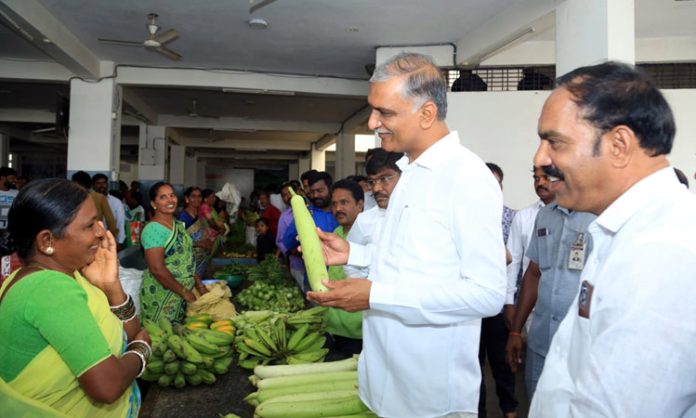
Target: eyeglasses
383,181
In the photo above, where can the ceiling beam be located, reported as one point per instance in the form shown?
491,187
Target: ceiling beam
32,70
246,125
357,120
245,144
325,141
241,81
234,155
27,116
523,20
137,102
35,23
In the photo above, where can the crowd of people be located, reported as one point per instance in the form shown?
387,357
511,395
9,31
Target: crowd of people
429,275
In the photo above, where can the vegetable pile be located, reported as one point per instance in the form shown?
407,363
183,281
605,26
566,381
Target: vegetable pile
308,391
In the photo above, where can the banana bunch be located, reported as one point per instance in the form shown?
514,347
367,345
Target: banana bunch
266,337
184,355
205,321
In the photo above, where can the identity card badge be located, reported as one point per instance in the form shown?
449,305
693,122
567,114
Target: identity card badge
576,258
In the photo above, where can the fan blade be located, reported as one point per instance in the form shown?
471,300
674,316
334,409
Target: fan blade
167,36
257,4
168,53
120,42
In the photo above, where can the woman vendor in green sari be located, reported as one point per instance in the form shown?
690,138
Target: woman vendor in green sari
70,342
169,279
196,228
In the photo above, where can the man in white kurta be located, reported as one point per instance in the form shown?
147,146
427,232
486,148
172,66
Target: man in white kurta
439,266
626,345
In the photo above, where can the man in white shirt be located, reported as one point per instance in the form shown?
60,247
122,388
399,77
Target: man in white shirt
383,174
100,184
439,265
626,346
518,242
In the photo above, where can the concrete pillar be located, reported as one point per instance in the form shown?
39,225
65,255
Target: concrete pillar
177,164
345,155
303,165
190,171
200,174
294,171
317,159
5,151
593,31
153,153
94,134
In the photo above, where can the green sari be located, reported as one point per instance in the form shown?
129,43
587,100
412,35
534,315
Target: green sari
155,299
47,386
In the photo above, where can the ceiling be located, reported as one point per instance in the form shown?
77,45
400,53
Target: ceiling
329,43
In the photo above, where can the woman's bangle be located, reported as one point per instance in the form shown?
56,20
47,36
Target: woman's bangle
515,334
125,311
143,362
141,346
141,349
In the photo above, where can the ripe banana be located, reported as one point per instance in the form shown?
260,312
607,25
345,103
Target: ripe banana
196,325
221,323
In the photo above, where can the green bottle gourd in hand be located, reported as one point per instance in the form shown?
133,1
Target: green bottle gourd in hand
311,246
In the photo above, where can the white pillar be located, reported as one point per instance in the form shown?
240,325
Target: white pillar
94,134
201,174
153,153
303,165
177,164
593,31
293,171
317,159
345,155
5,151
190,171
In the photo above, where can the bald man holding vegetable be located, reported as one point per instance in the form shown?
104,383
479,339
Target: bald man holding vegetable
439,265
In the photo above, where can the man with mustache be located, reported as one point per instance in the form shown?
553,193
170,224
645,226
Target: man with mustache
557,252
347,202
439,264
320,190
518,241
319,183
383,174
626,346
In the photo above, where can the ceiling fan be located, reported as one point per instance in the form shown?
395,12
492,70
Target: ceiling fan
193,112
155,41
